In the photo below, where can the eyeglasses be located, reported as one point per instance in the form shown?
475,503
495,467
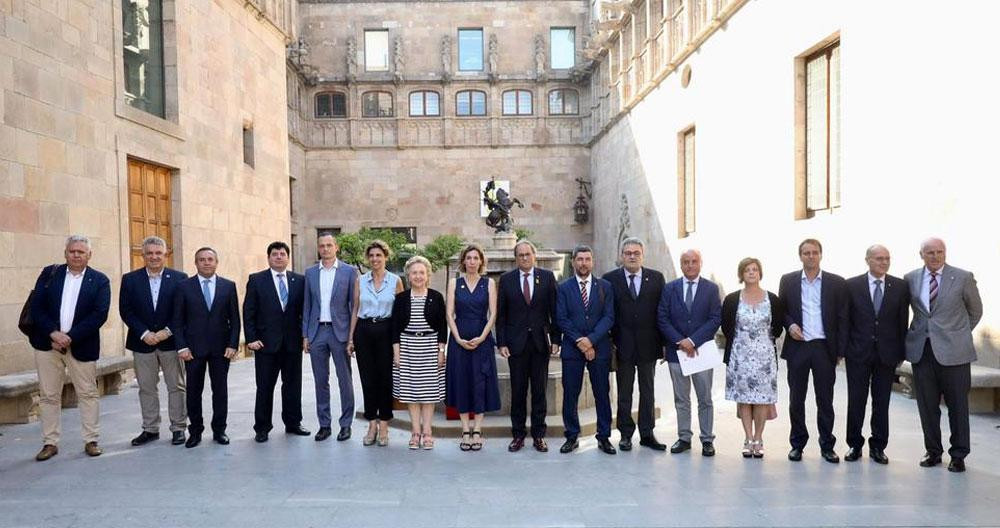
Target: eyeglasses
632,253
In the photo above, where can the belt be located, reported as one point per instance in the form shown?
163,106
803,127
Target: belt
321,323
419,334
374,320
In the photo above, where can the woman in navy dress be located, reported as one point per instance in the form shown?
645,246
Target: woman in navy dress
471,374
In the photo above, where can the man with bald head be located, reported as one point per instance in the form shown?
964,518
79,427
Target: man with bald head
946,307
878,310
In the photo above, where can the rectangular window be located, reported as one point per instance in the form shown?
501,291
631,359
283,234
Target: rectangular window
470,49
563,102
517,102
470,103
248,144
685,182
376,104
822,129
376,50
423,104
331,104
142,43
562,48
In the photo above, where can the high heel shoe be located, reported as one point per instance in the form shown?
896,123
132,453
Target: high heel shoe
383,438
369,438
747,448
758,448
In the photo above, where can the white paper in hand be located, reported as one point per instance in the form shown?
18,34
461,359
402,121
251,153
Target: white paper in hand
708,358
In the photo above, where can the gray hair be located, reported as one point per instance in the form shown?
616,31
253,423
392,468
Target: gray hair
873,248
525,242
581,248
78,239
929,241
154,241
418,260
632,241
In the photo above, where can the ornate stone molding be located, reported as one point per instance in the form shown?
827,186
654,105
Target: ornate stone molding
541,73
493,59
352,59
446,59
398,61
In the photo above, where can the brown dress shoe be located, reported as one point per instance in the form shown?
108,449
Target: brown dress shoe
48,451
92,449
540,445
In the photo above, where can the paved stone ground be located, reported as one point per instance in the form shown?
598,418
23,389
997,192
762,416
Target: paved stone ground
292,481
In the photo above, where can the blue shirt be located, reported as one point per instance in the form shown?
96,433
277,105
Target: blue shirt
377,303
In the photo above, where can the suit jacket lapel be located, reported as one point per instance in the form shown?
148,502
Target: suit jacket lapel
945,282
85,288
916,285
272,290
144,293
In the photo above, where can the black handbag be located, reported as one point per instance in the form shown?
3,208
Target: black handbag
24,323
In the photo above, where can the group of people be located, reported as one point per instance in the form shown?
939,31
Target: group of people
420,347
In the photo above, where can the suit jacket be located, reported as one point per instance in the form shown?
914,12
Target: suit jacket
676,322
832,303
135,306
341,301
206,332
881,335
91,312
518,320
949,325
434,314
634,334
594,322
730,308
265,321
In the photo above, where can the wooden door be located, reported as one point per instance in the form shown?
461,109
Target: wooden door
148,208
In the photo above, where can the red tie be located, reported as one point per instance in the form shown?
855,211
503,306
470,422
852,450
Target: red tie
526,289
933,290
583,294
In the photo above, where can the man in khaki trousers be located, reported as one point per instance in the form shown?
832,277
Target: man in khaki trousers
69,305
145,303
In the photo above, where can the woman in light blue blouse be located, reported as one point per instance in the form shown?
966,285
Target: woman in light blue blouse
371,339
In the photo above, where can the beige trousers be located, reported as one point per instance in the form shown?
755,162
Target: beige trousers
52,369
147,373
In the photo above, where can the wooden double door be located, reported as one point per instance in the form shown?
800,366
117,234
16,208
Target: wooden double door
149,208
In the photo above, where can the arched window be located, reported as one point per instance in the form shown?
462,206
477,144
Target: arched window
564,102
376,104
331,104
425,103
517,102
470,103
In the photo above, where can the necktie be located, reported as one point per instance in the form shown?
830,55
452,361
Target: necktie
526,289
583,294
631,286
877,296
282,290
933,290
689,295
207,293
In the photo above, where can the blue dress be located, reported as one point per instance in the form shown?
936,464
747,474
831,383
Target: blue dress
471,375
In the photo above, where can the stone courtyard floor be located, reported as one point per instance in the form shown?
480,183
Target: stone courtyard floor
293,481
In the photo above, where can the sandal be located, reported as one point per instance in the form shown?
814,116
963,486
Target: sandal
383,439
414,441
748,448
758,450
477,440
428,442
369,438
465,445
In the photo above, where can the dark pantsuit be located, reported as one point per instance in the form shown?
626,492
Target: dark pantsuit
811,357
877,377
218,374
373,349
529,368
931,381
572,371
625,377
268,367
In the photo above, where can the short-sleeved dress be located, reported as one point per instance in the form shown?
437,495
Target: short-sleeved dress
752,373
418,379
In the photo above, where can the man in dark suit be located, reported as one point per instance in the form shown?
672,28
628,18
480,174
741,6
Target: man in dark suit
585,313
878,309
690,313
206,327
146,305
638,344
526,334
69,305
815,317
272,324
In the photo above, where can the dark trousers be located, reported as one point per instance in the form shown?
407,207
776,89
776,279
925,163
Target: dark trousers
218,373
811,357
931,381
572,371
877,377
530,367
373,350
268,367
625,376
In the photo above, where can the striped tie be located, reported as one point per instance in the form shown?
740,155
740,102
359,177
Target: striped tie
583,294
932,295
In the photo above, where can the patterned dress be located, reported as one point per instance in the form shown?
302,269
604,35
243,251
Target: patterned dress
418,379
752,373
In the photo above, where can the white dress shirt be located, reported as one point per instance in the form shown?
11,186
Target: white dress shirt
155,281
531,281
925,288
326,278
638,280
694,287
70,295
274,277
812,308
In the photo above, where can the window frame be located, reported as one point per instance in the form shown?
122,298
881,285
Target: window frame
387,48
517,102
331,94
482,49
563,112
684,229
423,103
803,209
552,55
392,103
248,145
486,109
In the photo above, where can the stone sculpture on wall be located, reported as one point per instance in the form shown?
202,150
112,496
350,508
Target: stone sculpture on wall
446,58
493,58
352,59
398,61
540,72
624,221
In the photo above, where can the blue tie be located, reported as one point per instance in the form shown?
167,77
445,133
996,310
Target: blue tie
689,296
207,293
282,290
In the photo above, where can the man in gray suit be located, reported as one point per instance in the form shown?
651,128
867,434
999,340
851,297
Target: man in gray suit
946,307
326,319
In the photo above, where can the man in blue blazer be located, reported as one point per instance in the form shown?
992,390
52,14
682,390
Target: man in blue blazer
326,322
69,305
146,305
689,315
585,312
206,326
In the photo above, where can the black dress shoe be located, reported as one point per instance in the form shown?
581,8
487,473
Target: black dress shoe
930,460
795,454
540,445
830,456
569,445
220,438
178,438
878,455
260,437
323,434
344,434
625,444
605,445
854,453
145,438
680,446
957,465
651,442
297,430
193,440
707,449
516,444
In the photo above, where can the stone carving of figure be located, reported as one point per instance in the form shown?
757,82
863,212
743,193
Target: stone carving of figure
494,58
398,61
446,58
540,72
499,202
352,58
624,220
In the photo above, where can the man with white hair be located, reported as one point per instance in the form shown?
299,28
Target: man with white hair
69,305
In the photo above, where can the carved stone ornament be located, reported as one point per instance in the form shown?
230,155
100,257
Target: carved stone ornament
446,58
398,61
494,58
624,221
352,59
540,72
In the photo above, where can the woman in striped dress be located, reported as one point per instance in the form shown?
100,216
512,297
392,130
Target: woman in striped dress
419,335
